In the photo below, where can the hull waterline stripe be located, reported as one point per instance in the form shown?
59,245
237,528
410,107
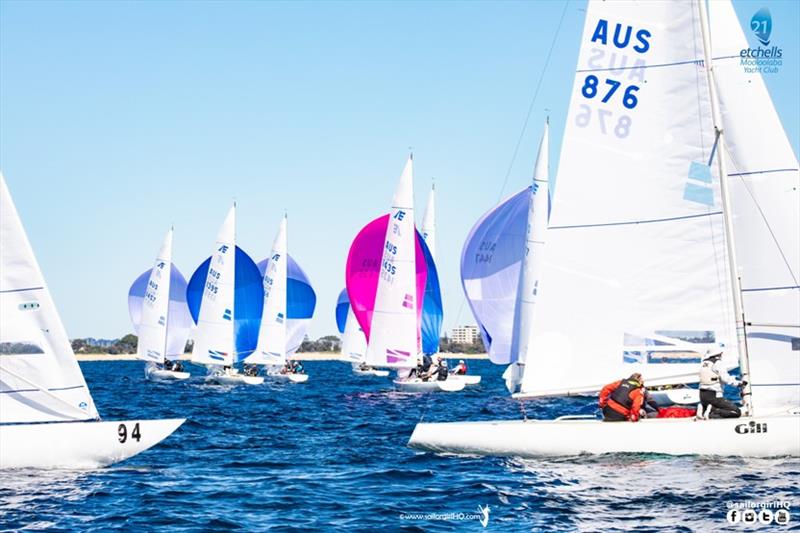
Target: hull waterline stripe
22,290
634,222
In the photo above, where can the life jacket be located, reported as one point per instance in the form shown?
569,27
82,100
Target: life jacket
622,397
708,377
442,373
426,362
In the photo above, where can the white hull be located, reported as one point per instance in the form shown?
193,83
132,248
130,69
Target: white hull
779,436
161,375
294,378
468,379
683,396
417,385
234,379
79,444
371,372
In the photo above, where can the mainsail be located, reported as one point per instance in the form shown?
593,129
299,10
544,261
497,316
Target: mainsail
40,380
386,294
764,185
530,278
226,298
635,271
271,348
158,311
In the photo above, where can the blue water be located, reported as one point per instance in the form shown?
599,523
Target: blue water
331,455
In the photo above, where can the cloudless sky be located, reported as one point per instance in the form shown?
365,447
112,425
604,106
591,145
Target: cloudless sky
119,119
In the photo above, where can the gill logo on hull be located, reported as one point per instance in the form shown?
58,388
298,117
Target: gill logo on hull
752,427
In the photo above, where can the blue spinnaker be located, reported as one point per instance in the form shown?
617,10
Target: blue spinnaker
432,311
248,301
342,307
490,271
179,321
300,303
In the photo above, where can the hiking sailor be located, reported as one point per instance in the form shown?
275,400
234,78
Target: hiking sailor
712,376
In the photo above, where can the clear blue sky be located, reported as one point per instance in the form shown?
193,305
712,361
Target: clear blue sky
118,119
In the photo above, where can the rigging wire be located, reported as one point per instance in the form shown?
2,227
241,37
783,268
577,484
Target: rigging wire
524,126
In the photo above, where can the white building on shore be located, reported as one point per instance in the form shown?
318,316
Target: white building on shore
465,334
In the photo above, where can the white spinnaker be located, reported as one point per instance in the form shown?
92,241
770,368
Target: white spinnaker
429,223
354,342
531,266
635,244
214,342
765,195
40,380
271,349
152,344
393,331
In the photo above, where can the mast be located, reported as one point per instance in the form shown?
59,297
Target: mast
736,287
169,289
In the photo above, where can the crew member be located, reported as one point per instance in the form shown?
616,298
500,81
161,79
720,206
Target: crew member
712,376
441,373
622,399
461,368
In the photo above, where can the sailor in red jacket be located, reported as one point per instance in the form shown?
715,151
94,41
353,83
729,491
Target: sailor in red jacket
622,399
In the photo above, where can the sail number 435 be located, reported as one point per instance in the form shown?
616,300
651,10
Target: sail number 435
122,432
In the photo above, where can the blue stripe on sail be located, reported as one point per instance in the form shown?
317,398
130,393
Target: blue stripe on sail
659,65
764,171
633,222
342,308
432,311
787,288
22,290
772,337
248,301
699,194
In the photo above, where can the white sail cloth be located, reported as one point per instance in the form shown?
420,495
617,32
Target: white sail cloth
214,342
394,329
635,270
271,348
765,196
40,380
152,345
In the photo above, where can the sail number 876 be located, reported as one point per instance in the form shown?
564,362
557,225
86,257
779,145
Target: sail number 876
591,89
621,128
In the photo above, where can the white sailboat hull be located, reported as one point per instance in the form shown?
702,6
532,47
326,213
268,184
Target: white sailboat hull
234,379
82,445
165,376
417,385
767,436
371,372
468,379
294,378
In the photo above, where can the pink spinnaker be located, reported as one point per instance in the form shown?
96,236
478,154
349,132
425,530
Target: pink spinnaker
364,269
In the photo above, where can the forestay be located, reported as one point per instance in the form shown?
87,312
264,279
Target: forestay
635,271
40,380
765,196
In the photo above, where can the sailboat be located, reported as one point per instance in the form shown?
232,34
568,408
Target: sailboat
386,278
157,306
432,309
226,298
47,416
289,303
354,342
677,210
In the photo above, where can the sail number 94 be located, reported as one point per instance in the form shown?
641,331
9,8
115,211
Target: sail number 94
122,432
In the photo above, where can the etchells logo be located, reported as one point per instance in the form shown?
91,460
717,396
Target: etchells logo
764,59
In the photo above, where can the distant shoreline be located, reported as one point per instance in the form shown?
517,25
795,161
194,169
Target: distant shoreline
305,356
